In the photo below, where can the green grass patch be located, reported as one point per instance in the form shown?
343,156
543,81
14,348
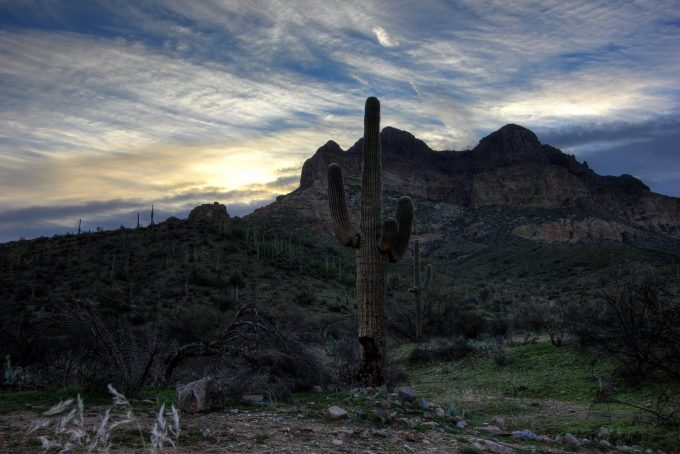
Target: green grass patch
544,388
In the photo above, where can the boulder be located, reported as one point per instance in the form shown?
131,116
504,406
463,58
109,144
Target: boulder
571,440
407,393
498,421
200,395
337,412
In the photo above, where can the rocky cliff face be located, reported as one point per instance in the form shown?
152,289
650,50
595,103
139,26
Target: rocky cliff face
508,168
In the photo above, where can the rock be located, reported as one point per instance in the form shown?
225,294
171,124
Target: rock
381,433
525,434
209,214
317,389
337,442
430,424
252,399
545,439
498,421
424,404
439,412
571,440
335,412
497,448
407,393
494,430
405,423
461,425
382,391
361,414
199,395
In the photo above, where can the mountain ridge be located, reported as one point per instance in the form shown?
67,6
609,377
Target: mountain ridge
508,168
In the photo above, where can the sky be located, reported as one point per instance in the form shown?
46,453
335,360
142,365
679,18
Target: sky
108,107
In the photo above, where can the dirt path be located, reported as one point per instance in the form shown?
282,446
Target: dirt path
281,431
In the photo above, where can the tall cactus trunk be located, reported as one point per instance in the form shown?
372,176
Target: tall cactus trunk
371,263
418,292
377,243
419,288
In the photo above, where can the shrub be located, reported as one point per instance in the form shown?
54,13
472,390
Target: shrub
442,350
636,324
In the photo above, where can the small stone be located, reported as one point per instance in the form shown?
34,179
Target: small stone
381,433
252,399
361,414
344,433
544,439
424,404
412,437
525,434
461,425
382,391
439,412
336,412
337,442
586,442
494,430
498,421
317,389
405,423
496,447
407,393
571,440
605,443
430,424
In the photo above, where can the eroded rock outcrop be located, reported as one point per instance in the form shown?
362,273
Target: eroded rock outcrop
571,230
209,213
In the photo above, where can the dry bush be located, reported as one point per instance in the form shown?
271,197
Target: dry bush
253,355
636,323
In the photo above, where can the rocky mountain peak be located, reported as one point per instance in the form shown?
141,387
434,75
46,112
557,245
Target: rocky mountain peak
330,147
510,143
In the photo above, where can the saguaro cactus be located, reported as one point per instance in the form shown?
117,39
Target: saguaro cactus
419,287
377,242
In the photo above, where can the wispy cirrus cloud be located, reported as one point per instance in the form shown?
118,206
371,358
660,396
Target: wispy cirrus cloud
148,101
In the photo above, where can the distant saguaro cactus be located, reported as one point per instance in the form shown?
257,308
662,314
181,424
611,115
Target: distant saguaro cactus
377,242
419,287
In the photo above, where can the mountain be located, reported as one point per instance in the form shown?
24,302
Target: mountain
509,184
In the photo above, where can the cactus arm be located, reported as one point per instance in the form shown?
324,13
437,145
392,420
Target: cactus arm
338,209
404,218
390,235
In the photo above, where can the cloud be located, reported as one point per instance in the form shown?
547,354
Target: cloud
383,38
141,101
